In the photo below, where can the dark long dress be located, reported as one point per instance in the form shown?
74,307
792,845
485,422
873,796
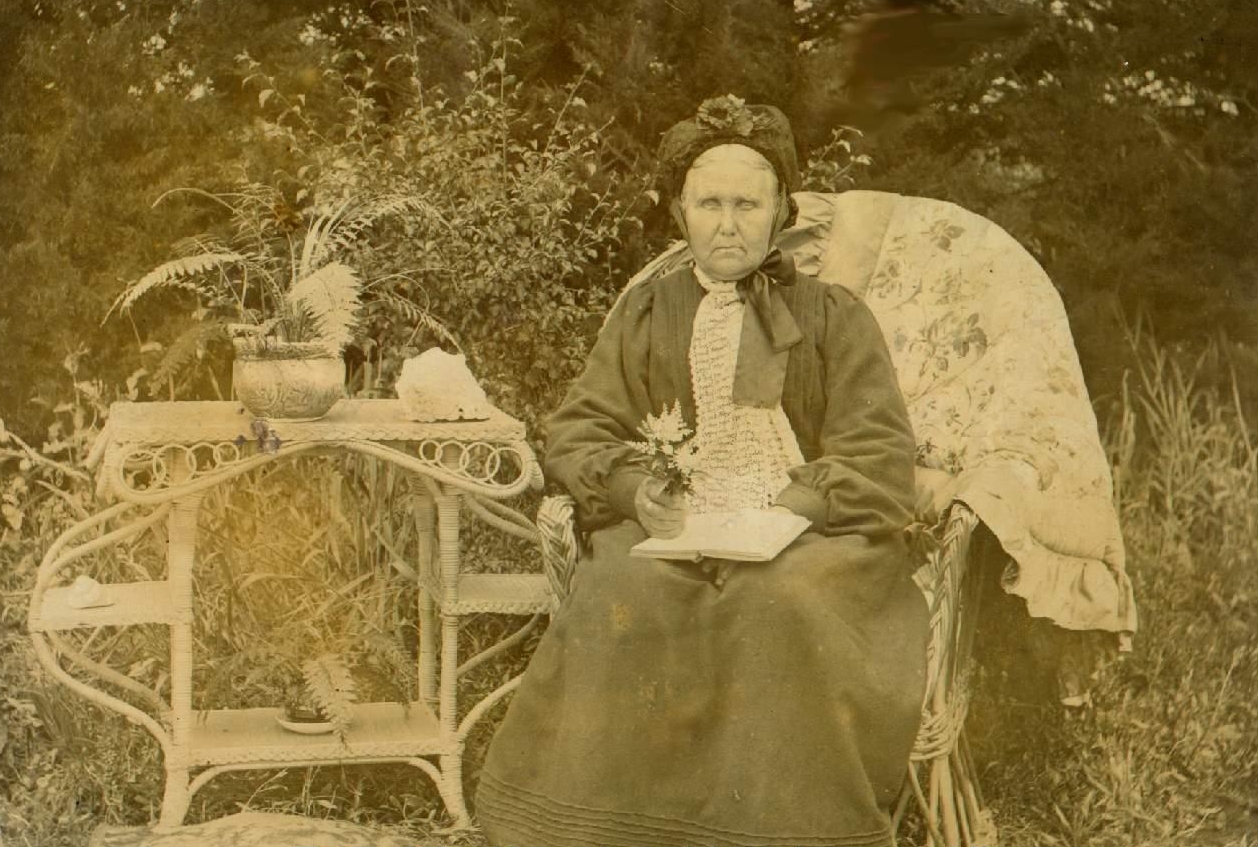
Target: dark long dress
777,709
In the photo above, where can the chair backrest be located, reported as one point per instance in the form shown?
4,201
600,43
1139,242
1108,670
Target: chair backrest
985,360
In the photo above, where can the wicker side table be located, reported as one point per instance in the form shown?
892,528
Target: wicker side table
157,460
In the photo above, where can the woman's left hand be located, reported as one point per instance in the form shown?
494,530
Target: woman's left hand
662,515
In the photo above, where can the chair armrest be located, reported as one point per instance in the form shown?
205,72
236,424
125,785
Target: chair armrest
556,525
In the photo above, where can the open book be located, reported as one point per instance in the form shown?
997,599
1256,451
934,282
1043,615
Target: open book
750,535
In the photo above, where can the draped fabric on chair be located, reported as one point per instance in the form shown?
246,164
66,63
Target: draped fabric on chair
988,369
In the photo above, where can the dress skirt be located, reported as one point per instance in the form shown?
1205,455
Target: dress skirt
660,709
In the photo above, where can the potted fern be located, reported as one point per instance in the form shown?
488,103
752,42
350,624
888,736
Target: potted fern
285,294
320,692
316,670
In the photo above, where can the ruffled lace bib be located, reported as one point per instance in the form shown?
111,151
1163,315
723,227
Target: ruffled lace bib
743,452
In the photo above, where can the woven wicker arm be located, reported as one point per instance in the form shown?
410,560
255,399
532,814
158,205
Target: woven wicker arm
557,526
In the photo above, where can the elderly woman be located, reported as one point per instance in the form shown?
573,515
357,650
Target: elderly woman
777,703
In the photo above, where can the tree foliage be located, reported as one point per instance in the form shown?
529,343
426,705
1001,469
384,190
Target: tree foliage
1114,139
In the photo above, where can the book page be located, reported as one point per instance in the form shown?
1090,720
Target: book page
752,535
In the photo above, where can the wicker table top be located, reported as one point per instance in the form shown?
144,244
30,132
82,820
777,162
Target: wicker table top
217,439
185,422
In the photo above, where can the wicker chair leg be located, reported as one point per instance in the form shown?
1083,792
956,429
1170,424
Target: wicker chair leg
941,771
450,786
175,800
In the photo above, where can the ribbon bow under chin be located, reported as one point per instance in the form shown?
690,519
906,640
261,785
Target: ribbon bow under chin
768,336
757,289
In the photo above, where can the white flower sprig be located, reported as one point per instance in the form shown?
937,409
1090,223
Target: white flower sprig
670,447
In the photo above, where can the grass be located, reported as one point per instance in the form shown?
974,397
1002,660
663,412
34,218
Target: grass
1168,755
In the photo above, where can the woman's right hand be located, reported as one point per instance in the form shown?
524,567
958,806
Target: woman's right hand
661,514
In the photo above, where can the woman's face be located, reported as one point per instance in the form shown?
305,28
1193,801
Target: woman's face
729,203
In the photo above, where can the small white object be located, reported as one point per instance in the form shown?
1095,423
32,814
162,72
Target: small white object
437,386
87,593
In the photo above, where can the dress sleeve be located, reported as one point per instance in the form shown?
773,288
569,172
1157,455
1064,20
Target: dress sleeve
862,481
586,438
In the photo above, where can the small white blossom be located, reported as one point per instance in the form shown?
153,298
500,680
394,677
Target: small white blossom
135,91
154,45
197,92
309,35
1229,108
1109,98
668,426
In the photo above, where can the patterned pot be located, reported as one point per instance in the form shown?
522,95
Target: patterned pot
287,380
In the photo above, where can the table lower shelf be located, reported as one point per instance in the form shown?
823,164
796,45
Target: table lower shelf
378,731
127,604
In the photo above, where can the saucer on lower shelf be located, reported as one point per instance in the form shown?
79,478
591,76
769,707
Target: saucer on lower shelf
306,727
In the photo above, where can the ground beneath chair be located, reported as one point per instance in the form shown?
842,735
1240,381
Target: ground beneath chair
257,829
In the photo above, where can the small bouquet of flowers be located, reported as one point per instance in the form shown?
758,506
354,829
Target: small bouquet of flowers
670,448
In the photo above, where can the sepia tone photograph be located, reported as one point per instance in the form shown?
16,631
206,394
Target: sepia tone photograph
628,423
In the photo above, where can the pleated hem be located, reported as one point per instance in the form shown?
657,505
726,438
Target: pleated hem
515,817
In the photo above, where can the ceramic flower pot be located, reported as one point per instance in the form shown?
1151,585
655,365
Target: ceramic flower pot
287,381
305,721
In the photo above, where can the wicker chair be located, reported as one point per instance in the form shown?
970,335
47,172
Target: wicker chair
840,238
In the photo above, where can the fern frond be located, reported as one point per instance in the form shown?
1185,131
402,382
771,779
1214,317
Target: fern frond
172,271
329,298
200,245
344,229
331,687
189,347
314,248
419,316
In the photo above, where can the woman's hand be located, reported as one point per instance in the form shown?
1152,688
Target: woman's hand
661,514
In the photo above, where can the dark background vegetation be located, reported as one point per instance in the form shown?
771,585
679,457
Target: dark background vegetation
1070,134
1116,139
